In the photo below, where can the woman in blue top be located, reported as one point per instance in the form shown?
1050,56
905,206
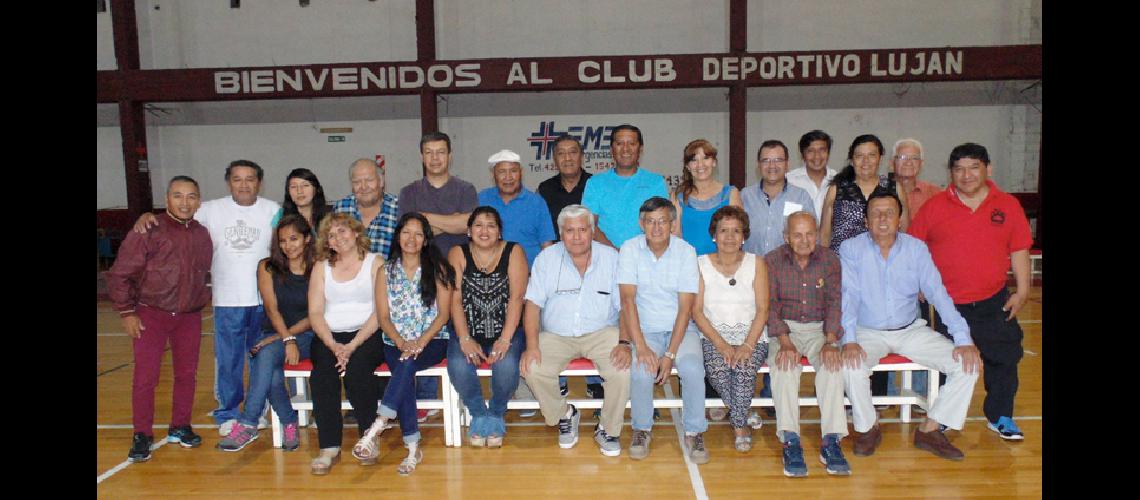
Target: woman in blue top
699,195
413,298
283,280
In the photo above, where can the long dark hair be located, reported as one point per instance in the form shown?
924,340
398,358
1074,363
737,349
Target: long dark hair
320,205
278,264
432,265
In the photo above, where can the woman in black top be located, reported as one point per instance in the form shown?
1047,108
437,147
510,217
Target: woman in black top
283,280
487,309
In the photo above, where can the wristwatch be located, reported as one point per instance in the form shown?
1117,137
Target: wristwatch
670,355
834,344
626,343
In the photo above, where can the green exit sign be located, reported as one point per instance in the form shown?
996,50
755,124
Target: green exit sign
336,138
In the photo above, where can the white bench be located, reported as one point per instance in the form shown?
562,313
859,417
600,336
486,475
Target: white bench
302,402
582,367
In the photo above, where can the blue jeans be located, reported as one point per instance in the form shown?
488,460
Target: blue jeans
690,364
267,380
236,330
399,399
487,420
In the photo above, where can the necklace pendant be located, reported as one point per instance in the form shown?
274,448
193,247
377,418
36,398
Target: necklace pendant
732,282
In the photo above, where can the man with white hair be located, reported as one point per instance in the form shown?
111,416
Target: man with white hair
526,220
370,205
907,164
572,311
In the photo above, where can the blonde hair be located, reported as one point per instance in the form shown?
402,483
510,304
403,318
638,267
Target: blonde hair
344,219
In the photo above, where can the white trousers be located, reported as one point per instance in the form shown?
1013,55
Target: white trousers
924,346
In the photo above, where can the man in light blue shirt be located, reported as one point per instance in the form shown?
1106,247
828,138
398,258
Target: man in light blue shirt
772,200
883,273
526,220
572,304
614,196
768,204
658,278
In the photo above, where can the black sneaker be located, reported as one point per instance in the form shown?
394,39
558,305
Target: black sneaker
140,448
184,436
563,389
595,391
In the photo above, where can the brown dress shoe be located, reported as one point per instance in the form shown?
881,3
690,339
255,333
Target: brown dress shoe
936,443
866,442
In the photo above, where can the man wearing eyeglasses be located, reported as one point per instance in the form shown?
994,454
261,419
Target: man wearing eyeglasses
907,164
772,200
658,278
572,304
769,203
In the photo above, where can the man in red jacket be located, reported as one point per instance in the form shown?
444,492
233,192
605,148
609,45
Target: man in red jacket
975,232
158,286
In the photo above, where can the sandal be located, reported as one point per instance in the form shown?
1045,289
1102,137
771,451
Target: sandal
494,441
408,465
367,449
473,436
325,460
744,443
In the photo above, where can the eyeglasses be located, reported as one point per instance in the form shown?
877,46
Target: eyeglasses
558,290
906,158
657,222
869,157
773,161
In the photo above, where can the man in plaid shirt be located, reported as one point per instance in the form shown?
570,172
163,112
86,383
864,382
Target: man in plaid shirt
370,205
804,294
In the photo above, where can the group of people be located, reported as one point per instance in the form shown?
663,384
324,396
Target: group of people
613,267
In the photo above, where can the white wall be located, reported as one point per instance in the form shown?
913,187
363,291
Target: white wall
104,42
780,25
187,34
110,180
482,29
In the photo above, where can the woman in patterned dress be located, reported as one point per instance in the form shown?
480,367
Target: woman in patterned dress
413,297
730,311
486,308
845,208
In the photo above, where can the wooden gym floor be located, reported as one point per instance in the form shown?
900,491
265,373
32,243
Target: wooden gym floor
530,463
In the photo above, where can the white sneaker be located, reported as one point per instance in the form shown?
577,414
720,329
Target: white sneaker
226,427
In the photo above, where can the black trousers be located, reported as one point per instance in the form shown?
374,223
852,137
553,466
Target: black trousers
362,387
999,341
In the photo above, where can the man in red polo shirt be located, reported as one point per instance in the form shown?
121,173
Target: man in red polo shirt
974,232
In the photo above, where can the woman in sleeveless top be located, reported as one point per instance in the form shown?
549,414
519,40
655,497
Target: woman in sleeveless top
342,312
486,309
283,280
699,195
730,311
845,207
413,294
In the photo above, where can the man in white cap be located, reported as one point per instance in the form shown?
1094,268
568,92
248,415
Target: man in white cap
526,219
